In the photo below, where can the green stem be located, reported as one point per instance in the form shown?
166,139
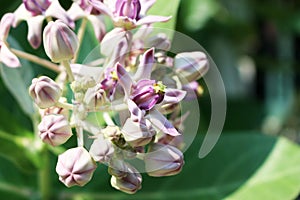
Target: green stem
36,59
44,175
67,66
80,36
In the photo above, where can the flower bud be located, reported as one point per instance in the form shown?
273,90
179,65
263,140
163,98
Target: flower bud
75,167
117,168
36,7
54,129
147,93
163,160
138,133
191,65
102,150
60,42
56,110
44,91
95,97
130,183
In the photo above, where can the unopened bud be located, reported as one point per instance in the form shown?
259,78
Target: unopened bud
56,110
117,168
60,42
54,129
130,183
191,65
75,167
95,97
138,133
163,160
102,150
44,91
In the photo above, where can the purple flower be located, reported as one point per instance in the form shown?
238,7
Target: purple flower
109,83
147,93
128,8
128,13
143,96
34,12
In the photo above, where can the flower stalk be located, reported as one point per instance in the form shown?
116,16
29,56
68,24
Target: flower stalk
33,58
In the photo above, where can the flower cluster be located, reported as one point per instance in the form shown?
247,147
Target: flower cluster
137,90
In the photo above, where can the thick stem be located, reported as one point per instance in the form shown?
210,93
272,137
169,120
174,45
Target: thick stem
80,140
44,175
36,59
67,66
80,36
64,105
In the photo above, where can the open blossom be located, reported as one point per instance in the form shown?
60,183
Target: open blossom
34,12
128,13
144,97
6,56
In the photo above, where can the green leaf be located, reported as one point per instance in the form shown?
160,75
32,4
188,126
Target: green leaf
278,178
17,82
197,13
166,8
19,150
238,159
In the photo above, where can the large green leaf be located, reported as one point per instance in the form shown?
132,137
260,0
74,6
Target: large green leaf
19,150
18,80
234,165
277,179
166,8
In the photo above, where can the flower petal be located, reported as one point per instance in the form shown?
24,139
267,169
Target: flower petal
75,12
173,96
98,5
55,10
98,25
21,14
161,123
136,113
145,67
146,5
124,79
5,24
152,19
34,35
8,58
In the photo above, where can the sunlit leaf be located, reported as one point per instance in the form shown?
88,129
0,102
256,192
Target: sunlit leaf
166,8
17,82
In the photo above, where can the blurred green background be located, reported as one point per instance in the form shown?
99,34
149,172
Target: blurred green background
256,46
